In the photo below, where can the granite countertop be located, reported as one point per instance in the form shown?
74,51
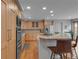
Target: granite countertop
54,36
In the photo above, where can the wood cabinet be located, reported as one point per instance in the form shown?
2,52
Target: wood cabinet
9,11
11,35
32,25
5,1
3,30
4,53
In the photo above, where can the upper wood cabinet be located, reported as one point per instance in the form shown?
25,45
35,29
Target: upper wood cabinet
5,1
32,25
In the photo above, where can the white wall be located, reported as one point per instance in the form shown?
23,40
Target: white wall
59,26
62,25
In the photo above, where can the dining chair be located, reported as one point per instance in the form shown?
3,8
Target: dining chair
74,45
64,47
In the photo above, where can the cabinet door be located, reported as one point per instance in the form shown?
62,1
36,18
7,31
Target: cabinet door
3,31
3,53
11,35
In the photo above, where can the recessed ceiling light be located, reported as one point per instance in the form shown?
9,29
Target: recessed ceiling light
44,8
52,14
51,11
28,7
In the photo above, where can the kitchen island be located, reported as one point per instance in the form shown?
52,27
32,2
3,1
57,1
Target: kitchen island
35,46
49,40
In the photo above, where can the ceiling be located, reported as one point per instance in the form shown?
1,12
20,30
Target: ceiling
62,9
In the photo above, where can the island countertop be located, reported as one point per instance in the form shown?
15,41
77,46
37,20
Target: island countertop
55,36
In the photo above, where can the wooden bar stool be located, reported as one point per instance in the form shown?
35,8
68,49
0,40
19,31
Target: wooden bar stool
74,44
54,51
63,46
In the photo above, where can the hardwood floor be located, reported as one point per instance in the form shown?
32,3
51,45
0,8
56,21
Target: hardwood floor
23,55
30,50
27,54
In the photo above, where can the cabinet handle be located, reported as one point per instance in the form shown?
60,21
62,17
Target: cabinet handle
9,34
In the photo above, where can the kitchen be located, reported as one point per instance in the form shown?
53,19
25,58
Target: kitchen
39,29
57,29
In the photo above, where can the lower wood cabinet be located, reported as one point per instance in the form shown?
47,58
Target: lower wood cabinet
3,53
11,50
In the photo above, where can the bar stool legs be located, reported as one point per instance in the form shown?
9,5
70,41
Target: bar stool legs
51,56
54,56
76,53
61,56
73,54
64,55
